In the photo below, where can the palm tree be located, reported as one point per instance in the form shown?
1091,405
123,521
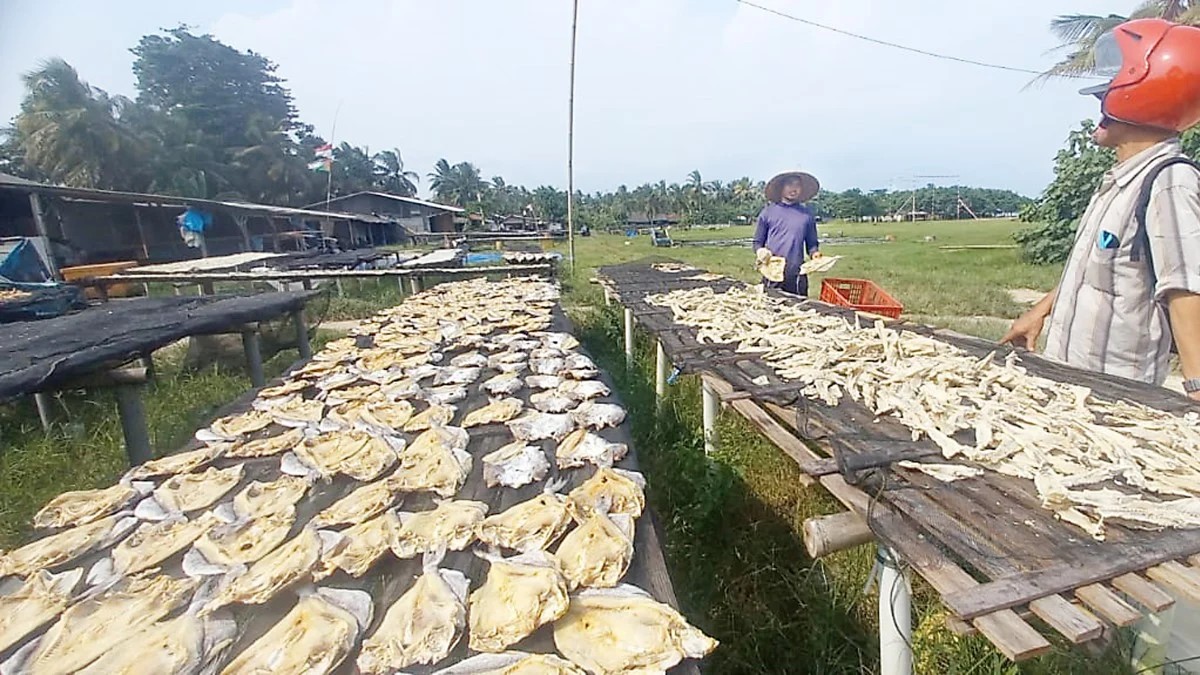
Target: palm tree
273,169
1079,33
353,169
390,175
460,184
72,133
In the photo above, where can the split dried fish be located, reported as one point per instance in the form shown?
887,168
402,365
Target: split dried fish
84,506
506,358
547,366
552,401
562,341
598,552
282,389
451,526
441,470
772,268
152,543
260,499
376,360
435,415
519,595
672,267
314,638
289,563
539,426
363,503
543,381
265,447
193,491
38,601
947,473
354,453
513,663
364,544
503,384
469,360
515,465
706,276
400,389
182,645
231,428
298,412
624,630
451,393
582,447
421,627
181,462
819,265
453,375
86,629
584,389
534,524
612,491
65,546
598,415
497,411
244,542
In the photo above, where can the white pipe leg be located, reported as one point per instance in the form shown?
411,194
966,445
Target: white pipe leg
660,375
1152,640
711,406
628,338
895,617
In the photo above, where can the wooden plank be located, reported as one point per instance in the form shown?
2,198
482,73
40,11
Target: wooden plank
1075,623
774,432
1143,592
1177,578
1108,604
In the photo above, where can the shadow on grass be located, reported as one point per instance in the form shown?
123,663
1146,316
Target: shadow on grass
734,548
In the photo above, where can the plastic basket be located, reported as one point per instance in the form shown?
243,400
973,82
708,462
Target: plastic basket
862,295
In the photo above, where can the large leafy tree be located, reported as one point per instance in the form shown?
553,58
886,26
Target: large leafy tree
391,176
1079,32
459,184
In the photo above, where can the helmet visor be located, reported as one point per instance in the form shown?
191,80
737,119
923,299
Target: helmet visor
1108,63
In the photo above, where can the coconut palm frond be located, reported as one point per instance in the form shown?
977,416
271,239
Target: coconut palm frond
1076,28
1190,16
1080,62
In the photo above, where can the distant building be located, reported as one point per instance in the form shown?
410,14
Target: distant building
415,215
642,220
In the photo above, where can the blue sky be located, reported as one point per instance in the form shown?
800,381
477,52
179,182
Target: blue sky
663,86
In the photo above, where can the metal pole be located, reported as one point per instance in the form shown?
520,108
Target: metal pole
660,375
628,338
1151,640
571,144
711,405
250,344
42,400
302,334
133,423
895,616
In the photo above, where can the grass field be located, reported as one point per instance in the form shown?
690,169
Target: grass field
732,520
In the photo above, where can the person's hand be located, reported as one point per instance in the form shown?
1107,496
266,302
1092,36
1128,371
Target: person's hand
762,255
1026,330
816,254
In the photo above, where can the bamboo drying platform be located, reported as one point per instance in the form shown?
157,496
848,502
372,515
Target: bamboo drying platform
986,545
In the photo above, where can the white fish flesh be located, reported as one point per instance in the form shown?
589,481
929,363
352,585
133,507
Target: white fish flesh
298,412
506,358
610,491
515,465
624,630
244,542
512,368
598,415
534,524
457,376
578,362
65,546
83,506
152,543
539,426
519,595
543,381
314,638
260,499
38,601
289,563
584,389
582,447
230,428
282,389
452,393
495,412
598,552
469,360
552,401
503,384
188,492
451,526
421,627
547,366
563,341
423,372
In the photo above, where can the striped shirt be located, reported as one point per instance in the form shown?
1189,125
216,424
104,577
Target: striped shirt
1110,312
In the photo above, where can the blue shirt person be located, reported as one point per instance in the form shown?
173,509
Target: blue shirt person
786,228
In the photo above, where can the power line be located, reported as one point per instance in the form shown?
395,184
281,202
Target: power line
915,50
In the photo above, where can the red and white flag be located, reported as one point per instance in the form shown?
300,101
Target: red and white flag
324,150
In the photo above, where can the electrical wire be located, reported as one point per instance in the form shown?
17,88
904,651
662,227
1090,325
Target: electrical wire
914,50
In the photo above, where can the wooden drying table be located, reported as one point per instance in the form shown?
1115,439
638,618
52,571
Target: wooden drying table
985,545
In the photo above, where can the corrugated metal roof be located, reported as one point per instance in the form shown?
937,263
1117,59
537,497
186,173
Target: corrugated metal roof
398,198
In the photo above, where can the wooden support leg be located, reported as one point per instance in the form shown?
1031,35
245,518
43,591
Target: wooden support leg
302,334
207,288
628,339
147,361
133,423
250,343
307,284
660,375
44,406
711,407
607,298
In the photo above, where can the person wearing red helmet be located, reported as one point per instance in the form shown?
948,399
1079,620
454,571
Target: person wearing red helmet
1130,291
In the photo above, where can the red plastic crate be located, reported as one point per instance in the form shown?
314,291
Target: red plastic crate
862,295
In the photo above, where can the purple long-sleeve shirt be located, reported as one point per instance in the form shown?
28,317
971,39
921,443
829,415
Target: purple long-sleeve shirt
788,230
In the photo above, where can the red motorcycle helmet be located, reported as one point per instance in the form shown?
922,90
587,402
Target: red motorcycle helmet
1155,70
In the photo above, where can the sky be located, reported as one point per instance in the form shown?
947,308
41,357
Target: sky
662,86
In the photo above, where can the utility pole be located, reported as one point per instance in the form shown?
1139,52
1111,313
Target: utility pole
571,145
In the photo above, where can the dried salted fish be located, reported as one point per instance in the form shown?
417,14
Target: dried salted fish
582,447
513,663
503,384
819,265
386,415
364,544
598,415
85,631
152,543
245,541
193,491
578,362
947,473
609,490
469,360
423,372
363,503
233,427
552,401
289,563
538,426
495,412
281,390
512,368
351,394
337,379
185,644
451,526
314,370
435,415
547,366
314,638
337,350
563,341
180,462
259,499
706,276
515,465
84,506
375,360
400,389
451,393
543,381
444,438
65,546
534,524
772,268
39,600
519,595
354,453
265,447
298,412
672,267
584,389
506,358
624,630
440,470
422,626
598,552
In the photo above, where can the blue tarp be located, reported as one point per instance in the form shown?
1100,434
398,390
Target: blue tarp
24,264
194,220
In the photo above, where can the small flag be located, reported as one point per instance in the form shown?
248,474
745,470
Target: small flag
321,165
324,150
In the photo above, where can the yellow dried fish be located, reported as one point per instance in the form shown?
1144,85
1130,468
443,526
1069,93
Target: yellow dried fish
192,491
282,389
434,415
621,491
450,526
312,639
364,544
244,542
282,567
240,425
499,410
265,447
83,507
180,462
178,646
598,552
421,627
152,543
62,547
519,595
39,600
298,412
439,470
361,504
354,453
513,663
534,524
260,499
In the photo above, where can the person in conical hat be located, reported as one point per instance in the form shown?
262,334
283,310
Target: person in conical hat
787,229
